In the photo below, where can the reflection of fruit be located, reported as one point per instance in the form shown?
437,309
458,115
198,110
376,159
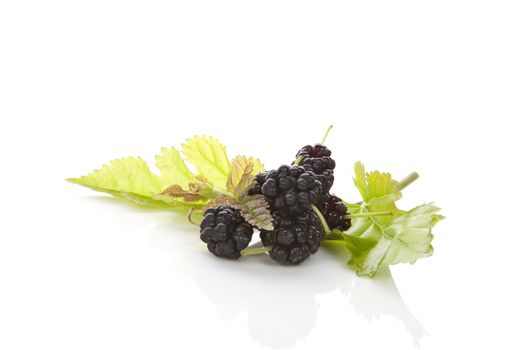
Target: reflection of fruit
262,287
289,189
225,231
335,214
294,238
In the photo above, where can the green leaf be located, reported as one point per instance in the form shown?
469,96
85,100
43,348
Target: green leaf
242,173
172,167
123,176
131,178
376,240
378,190
255,210
405,238
209,157
176,186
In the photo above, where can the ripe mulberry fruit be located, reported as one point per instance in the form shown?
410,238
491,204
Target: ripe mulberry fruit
318,157
289,189
225,232
326,178
335,214
294,238
318,160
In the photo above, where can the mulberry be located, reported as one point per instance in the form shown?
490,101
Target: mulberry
335,214
318,157
294,238
289,189
225,232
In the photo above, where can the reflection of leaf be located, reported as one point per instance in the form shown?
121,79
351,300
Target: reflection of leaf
241,175
255,210
208,155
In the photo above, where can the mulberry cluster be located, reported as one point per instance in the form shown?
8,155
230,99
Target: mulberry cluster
225,231
292,193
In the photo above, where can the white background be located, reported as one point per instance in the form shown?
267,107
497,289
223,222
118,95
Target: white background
432,86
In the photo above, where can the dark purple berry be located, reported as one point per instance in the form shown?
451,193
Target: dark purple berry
318,160
289,189
294,238
225,232
318,157
335,213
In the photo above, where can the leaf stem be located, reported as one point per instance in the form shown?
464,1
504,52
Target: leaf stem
321,218
407,180
326,134
368,215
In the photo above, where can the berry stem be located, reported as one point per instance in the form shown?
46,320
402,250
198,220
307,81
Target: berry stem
190,214
321,218
368,215
407,180
326,134
255,249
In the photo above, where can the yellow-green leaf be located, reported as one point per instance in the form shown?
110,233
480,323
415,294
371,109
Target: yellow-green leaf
209,157
173,168
131,178
403,240
375,184
242,173
126,175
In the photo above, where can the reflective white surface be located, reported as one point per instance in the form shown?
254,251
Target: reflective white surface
433,87
281,304
96,272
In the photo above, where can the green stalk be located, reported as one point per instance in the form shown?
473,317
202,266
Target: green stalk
368,215
321,217
326,134
255,251
407,180
256,248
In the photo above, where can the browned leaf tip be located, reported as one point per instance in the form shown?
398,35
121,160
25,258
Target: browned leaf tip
177,192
